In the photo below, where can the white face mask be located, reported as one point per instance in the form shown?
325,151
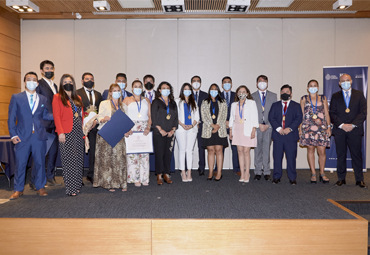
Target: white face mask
122,85
313,90
31,85
346,85
262,85
196,85
116,94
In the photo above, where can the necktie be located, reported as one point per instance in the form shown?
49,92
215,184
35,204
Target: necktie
196,96
31,102
285,108
90,97
227,99
150,97
347,97
263,97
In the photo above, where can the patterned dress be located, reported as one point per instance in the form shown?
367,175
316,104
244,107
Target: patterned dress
72,154
314,130
110,169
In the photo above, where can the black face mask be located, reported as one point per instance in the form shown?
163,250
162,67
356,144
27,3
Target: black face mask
89,84
49,75
68,87
285,96
149,86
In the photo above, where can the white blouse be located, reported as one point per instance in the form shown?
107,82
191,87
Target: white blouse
133,110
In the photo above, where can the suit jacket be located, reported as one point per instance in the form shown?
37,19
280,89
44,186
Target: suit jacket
356,116
181,117
63,115
293,119
21,121
202,96
270,99
207,119
105,94
85,98
232,99
44,89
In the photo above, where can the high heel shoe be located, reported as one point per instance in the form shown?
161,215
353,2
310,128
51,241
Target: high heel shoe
247,180
188,176
210,178
313,178
217,180
324,179
183,176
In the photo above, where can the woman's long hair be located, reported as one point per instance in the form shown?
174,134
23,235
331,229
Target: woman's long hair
218,97
249,96
158,93
63,95
191,98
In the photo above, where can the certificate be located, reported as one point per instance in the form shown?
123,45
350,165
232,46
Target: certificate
139,143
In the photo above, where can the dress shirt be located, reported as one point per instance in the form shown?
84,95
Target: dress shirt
51,85
88,94
227,95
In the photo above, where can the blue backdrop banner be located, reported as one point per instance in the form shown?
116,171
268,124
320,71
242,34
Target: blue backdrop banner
331,76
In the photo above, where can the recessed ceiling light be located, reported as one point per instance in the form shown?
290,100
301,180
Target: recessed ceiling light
342,4
22,5
273,3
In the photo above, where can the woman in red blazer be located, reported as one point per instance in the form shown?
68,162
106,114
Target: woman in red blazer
68,118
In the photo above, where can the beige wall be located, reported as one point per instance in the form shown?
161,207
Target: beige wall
286,50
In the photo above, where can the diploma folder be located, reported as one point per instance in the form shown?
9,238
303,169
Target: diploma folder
115,129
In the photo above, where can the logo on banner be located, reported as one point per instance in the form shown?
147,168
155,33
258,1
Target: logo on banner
329,77
359,76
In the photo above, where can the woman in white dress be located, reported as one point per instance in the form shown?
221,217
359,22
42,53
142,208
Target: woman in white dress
186,134
138,109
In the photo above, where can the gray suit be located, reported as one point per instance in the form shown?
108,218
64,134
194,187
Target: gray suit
262,151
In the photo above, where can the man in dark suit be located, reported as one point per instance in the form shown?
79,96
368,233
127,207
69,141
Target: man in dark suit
27,131
196,83
91,100
229,96
285,116
348,110
48,88
121,80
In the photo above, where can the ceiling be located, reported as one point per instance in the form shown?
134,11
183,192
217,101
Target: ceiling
66,9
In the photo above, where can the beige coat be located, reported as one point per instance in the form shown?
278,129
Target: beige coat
207,119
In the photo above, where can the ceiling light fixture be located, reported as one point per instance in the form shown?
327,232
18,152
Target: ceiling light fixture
342,4
173,6
237,5
22,6
101,6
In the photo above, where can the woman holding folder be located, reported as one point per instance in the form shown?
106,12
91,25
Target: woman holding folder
138,109
110,169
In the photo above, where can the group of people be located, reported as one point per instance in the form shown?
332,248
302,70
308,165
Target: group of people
215,119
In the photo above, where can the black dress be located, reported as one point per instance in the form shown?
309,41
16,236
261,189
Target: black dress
215,139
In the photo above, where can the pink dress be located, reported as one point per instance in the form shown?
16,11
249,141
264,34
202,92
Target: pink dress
238,134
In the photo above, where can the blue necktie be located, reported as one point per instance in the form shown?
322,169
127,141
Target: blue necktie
227,99
31,102
347,97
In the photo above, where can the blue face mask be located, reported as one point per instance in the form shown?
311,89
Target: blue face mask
116,94
313,90
346,85
138,91
227,86
213,93
165,92
122,85
187,92
31,85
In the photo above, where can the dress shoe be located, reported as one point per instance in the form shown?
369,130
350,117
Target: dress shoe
215,173
159,179
361,184
42,192
16,195
52,182
340,183
32,186
293,182
267,177
257,177
217,180
238,173
201,172
90,179
275,181
167,178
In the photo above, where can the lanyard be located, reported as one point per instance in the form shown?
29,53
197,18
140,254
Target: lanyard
115,107
241,112
313,109
284,112
188,106
34,103
263,102
213,107
138,106
167,106
345,99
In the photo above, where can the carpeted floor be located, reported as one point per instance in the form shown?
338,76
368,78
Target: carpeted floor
199,199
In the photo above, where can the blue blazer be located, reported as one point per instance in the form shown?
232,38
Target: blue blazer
21,118
293,119
105,94
232,100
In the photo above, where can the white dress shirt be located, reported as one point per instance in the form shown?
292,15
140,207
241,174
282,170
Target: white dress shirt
51,85
88,94
282,109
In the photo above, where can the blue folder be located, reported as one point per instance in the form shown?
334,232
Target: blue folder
115,129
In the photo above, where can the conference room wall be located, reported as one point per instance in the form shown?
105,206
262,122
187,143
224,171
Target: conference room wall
286,50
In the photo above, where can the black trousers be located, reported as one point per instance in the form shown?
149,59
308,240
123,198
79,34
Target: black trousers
201,151
354,143
92,140
163,147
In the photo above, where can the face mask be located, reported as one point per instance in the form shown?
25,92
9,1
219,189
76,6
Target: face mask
227,86
138,91
89,84
313,90
213,93
116,94
187,92
68,87
31,85
285,96
149,86
196,85
346,85
262,85
122,85
165,92
242,96
49,75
